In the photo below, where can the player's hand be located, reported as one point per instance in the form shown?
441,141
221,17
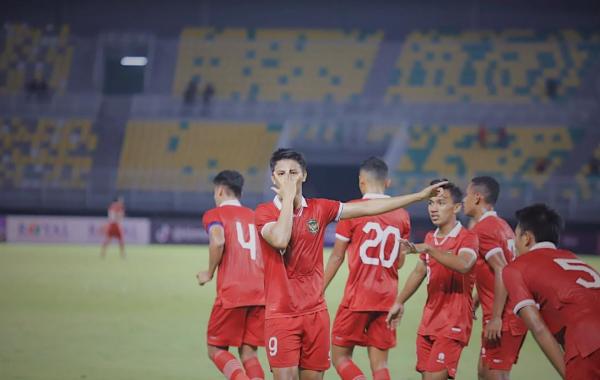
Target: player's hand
407,247
394,315
203,277
493,329
432,191
286,186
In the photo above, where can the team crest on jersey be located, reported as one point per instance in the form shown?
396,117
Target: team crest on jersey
313,226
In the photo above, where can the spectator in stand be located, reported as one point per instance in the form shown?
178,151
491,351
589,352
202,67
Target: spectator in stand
594,167
207,96
189,95
502,137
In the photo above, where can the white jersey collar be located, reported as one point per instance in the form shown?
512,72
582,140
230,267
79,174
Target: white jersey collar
232,202
374,196
277,202
543,244
488,214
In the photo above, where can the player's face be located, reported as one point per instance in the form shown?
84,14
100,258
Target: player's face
288,167
470,201
442,210
522,240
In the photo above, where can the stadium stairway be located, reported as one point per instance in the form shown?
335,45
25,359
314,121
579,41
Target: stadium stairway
111,121
379,77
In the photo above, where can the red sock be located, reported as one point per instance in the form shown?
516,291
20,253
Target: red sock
229,366
253,369
349,371
382,374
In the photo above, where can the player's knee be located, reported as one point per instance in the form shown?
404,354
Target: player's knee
212,351
338,358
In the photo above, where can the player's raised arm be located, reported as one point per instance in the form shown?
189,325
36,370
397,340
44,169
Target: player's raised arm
335,260
414,280
532,318
216,245
380,206
278,233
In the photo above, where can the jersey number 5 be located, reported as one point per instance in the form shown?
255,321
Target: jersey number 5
251,243
380,239
578,265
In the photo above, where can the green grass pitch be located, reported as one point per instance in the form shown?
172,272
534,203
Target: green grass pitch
66,314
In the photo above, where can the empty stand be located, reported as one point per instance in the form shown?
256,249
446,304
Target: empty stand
276,64
185,156
46,153
519,156
489,66
28,53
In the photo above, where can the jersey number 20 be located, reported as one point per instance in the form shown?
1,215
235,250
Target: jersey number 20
380,239
251,243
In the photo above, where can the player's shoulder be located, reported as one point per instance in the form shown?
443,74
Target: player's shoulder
467,235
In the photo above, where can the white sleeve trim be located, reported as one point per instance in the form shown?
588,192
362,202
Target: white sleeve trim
469,251
522,304
342,238
492,252
339,213
263,228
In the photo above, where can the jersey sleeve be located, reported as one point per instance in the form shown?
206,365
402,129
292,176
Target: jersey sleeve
469,245
519,295
262,217
343,230
211,218
330,210
489,245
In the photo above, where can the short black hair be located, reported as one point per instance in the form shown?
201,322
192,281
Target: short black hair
455,192
489,188
287,154
232,179
375,166
543,222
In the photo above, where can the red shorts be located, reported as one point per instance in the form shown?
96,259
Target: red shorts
299,341
503,353
362,328
234,327
114,230
435,354
584,368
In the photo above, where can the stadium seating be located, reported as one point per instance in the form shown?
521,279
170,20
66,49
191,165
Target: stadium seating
276,64
525,155
185,156
46,153
34,53
488,66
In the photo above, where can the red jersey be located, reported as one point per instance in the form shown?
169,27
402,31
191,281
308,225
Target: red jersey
294,277
566,290
448,311
240,277
495,237
116,211
374,245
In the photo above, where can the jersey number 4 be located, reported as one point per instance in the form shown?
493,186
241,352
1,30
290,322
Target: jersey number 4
251,243
380,240
578,265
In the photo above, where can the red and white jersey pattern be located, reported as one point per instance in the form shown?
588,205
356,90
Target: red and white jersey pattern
495,238
566,290
449,307
373,257
240,276
294,277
